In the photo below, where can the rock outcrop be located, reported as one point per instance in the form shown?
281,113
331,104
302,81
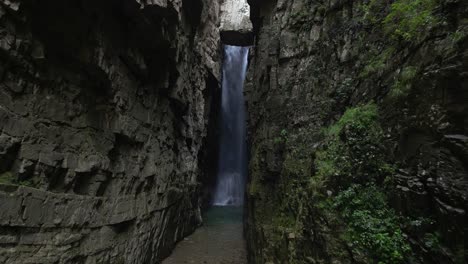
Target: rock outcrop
104,107
236,27
312,61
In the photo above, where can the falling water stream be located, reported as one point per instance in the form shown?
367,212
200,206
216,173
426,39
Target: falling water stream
232,146
220,240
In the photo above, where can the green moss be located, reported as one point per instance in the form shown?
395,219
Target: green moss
353,152
32,182
342,184
456,36
409,20
377,63
362,117
7,178
296,164
402,85
373,10
283,137
11,179
432,241
283,221
403,20
456,39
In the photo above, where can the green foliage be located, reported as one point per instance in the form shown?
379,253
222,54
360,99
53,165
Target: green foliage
355,166
400,22
29,183
457,37
373,10
432,241
283,137
7,178
425,231
377,63
359,118
353,153
373,228
410,19
403,84
283,221
11,179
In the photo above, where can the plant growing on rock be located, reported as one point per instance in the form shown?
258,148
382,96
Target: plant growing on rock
354,166
403,83
7,178
353,153
373,227
410,19
283,137
377,63
11,179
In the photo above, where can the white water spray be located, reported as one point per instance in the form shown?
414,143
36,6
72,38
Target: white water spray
232,164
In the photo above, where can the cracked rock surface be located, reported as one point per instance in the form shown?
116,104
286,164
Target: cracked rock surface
104,106
313,60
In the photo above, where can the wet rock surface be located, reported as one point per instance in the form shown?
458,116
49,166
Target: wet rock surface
103,110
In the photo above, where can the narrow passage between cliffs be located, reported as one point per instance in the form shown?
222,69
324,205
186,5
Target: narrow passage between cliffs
220,239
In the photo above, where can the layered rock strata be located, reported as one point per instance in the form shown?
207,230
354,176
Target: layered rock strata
104,108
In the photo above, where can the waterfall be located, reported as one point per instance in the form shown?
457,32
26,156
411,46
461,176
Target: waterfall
232,163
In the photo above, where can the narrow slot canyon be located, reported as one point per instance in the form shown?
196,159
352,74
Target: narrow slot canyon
220,239
233,132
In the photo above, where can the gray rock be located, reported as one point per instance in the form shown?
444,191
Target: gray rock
96,102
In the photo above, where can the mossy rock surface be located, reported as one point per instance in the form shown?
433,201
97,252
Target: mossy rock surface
372,95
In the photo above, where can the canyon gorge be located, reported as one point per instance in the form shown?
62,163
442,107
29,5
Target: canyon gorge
114,131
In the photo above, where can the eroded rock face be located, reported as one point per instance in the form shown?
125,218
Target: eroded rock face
312,61
103,110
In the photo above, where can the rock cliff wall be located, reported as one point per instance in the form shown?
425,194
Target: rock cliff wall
104,107
358,124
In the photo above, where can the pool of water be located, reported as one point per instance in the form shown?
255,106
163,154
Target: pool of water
218,241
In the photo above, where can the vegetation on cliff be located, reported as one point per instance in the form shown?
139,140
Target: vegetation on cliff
369,171
354,165
10,179
347,183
